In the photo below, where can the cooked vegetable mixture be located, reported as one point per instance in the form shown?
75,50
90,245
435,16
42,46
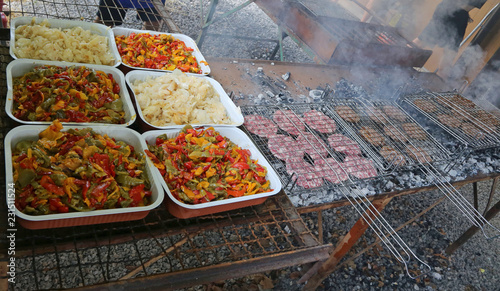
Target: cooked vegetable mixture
77,170
201,166
70,94
163,52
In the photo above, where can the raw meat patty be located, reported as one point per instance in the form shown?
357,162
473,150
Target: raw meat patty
343,144
320,122
312,145
331,170
305,173
283,147
359,167
260,125
289,121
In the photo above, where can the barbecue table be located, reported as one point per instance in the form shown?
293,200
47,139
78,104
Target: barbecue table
162,251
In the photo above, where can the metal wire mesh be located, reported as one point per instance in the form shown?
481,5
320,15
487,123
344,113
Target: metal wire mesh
48,259
307,145
151,15
460,117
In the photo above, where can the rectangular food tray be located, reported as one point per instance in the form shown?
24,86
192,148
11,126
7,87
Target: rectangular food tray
18,68
131,137
183,210
202,64
95,28
233,112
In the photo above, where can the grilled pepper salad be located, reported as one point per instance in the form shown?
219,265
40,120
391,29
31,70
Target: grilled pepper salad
77,170
162,51
200,165
69,94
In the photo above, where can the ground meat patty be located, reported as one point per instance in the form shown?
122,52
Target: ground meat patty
449,120
331,170
462,101
359,167
392,156
472,130
312,145
425,105
320,122
371,135
347,113
394,133
343,144
418,154
376,115
394,112
414,131
283,147
305,173
289,121
260,125
487,118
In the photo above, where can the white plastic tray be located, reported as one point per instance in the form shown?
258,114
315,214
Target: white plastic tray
242,140
61,23
131,137
18,68
233,112
205,69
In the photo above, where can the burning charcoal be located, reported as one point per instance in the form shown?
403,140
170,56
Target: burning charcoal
290,100
286,76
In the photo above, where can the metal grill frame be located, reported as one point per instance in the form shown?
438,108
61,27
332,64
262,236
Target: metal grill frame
492,140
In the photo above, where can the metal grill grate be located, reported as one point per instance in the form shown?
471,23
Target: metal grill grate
158,244
320,148
468,123
152,16
393,128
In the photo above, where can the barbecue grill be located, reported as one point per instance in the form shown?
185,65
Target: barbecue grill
260,232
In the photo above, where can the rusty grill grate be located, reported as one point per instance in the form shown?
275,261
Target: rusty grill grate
463,119
159,244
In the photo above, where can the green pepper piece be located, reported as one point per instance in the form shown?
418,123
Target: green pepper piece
127,181
58,178
26,176
22,146
40,154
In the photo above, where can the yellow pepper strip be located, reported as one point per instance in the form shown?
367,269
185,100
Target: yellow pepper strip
188,192
202,184
198,171
210,172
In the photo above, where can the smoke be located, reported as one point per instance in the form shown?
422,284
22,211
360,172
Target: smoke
486,85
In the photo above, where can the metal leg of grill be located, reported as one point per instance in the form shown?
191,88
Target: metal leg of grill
488,215
342,248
